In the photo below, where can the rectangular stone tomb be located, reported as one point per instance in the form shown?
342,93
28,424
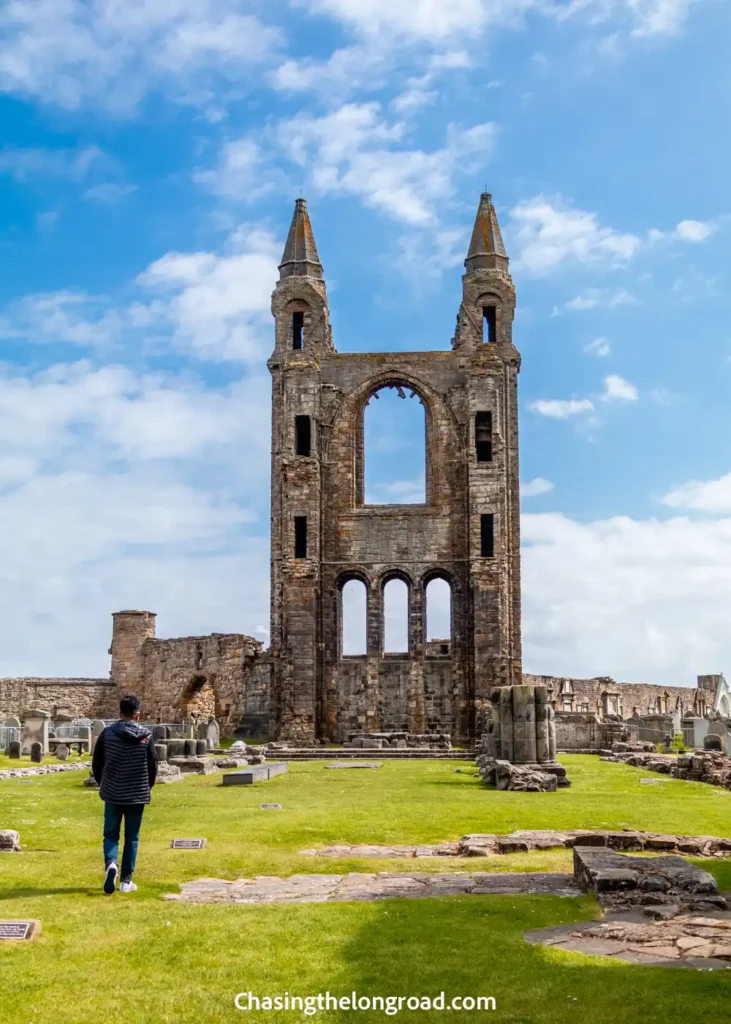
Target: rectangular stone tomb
255,773
19,930
355,764
189,844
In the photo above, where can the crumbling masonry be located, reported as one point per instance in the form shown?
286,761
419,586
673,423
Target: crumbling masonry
323,533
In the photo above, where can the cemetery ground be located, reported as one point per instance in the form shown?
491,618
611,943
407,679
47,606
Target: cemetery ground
137,958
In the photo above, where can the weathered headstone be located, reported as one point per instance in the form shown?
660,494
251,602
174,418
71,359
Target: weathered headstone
35,730
189,844
62,752
97,728
159,733
14,749
201,748
161,750
189,748
36,753
12,723
18,931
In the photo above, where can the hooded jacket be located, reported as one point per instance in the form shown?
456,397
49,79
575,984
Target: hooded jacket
125,763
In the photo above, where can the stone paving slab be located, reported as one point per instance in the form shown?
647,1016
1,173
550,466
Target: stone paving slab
355,764
372,886
685,941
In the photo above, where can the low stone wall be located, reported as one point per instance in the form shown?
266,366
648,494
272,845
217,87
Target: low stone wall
81,698
700,766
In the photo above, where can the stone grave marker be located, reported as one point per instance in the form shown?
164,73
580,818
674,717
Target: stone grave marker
19,930
201,748
62,752
36,753
14,750
12,723
270,807
189,844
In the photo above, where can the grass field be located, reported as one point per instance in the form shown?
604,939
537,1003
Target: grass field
137,958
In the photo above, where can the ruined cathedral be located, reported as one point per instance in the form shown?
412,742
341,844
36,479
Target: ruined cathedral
305,687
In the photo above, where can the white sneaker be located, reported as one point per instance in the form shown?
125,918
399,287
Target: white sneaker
110,879
128,887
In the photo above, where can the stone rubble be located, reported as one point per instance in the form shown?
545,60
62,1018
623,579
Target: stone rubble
526,840
620,882
46,769
708,766
377,886
9,840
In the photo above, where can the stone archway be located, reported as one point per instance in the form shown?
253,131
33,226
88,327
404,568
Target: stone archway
199,698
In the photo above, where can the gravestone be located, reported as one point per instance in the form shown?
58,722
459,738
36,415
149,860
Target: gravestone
36,752
162,751
189,844
159,733
97,728
718,733
35,730
62,752
189,748
14,750
19,931
12,723
201,748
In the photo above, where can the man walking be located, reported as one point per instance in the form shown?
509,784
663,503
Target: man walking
125,767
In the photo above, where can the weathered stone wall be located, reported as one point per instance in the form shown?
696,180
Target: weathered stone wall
588,694
82,698
319,693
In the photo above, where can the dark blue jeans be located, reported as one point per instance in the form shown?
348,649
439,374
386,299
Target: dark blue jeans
113,814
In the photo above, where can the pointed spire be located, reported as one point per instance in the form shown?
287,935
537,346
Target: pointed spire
486,246
300,258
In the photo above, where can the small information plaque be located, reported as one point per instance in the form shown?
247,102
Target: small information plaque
270,807
19,930
188,844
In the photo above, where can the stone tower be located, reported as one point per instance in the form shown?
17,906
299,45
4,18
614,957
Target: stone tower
324,535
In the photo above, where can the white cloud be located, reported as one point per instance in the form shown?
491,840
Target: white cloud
25,164
535,487
659,17
216,307
353,150
548,232
599,347
594,298
653,607
560,409
702,495
72,52
685,231
68,317
617,389
109,192
239,174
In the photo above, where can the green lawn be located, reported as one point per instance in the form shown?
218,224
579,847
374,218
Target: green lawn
139,959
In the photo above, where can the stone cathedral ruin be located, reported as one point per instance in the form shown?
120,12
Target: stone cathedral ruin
305,688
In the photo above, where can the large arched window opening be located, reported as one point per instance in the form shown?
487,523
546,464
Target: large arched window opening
394,447
438,601
353,619
396,617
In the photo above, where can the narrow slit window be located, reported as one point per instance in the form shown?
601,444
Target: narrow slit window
483,436
487,535
489,321
298,330
300,536
302,435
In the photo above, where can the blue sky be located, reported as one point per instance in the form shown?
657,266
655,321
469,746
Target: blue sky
150,156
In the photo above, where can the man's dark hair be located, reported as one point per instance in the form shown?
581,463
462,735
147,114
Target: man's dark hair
129,706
